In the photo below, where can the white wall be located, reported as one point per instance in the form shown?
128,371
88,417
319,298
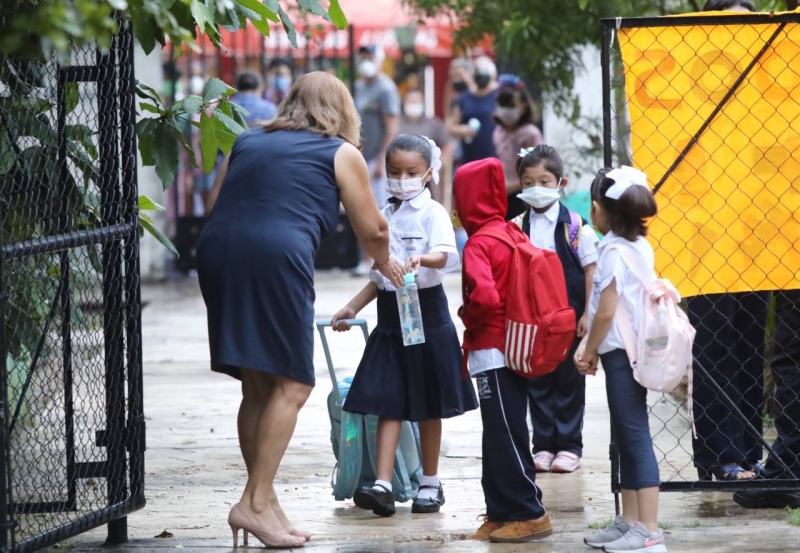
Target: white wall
563,136
148,69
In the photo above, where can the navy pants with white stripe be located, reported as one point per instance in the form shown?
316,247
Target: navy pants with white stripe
509,476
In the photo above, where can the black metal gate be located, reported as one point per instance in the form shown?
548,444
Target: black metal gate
772,334
71,418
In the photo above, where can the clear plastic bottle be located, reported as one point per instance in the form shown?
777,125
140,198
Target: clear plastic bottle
473,124
410,312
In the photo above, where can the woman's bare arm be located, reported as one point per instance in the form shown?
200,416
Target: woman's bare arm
212,197
369,224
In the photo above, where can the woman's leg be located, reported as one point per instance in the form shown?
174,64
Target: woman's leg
256,392
647,502
388,437
273,430
430,439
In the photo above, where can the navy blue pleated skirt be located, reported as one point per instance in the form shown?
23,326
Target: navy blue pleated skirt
413,383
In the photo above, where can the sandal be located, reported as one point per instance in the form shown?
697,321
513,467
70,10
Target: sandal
724,473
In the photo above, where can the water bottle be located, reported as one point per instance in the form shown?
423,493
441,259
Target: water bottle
410,312
475,124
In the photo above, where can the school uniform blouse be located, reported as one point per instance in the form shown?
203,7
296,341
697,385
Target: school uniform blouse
612,267
543,232
419,226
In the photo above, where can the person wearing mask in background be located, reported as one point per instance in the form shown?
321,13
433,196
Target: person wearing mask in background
471,119
249,88
414,121
459,81
515,131
279,81
378,103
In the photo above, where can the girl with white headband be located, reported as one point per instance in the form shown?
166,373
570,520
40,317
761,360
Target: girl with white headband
621,204
423,382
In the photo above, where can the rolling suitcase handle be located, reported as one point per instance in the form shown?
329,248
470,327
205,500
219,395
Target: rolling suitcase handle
321,326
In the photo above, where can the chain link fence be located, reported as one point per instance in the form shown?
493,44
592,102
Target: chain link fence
709,107
72,425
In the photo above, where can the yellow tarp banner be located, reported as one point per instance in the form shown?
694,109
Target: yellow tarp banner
729,213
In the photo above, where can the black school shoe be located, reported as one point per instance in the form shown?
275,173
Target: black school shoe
772,499
428,505
380,502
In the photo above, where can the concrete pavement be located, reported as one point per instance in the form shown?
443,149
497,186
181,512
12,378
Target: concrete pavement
194,472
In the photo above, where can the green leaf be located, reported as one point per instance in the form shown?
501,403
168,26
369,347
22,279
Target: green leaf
146,204
583,4
146,30
215,89
71,96
147,93
191,105
225,136
311,6
229,123
254,6
165,154
291,32
147,223
337,15
145,131
6,154
201,14
208,142
261,25
150,107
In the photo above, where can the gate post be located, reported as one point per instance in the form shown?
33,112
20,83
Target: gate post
4,518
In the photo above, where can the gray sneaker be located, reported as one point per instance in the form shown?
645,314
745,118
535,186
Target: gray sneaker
637,540
612,532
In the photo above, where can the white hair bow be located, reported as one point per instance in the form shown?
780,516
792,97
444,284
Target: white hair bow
436,159
624,178
525,151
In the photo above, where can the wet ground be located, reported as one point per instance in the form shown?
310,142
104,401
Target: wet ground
194,472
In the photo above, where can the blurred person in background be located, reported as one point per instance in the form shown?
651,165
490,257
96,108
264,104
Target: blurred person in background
414,121
249,88
279,80
471,119
378,103
459,81
514,115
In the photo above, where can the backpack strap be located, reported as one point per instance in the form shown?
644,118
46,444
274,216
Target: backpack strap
498,234
573,231
623,316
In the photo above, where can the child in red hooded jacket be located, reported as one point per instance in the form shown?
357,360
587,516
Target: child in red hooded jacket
514,509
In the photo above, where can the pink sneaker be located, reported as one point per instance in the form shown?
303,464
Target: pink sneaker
566,462
543,461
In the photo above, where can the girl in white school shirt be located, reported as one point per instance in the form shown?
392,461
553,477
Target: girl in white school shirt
621,203
421,383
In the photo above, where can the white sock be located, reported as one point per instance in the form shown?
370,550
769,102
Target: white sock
380,484
429,493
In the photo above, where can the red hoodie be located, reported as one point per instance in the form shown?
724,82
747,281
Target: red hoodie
480,193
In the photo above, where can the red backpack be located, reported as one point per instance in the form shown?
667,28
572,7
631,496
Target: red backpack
540,324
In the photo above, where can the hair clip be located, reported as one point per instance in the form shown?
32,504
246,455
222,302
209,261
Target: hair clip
525,151
624,178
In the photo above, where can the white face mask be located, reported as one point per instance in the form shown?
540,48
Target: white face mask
414,111
509,116
406,189
367,69
539,196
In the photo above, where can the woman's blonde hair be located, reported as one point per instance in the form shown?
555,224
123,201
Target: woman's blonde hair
320,103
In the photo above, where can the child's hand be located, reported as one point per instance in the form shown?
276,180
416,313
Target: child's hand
583,325
339,321
413,264
586,363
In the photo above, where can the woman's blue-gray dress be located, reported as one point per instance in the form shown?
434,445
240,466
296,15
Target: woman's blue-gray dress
255,256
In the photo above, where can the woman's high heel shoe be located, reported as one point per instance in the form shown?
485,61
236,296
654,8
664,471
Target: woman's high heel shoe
238,519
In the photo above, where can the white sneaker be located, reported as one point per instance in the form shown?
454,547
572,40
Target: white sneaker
543,461
566,462
610,533
638,540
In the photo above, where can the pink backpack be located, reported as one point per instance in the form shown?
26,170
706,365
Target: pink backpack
660,350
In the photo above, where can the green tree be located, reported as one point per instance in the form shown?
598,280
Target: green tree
33,32
545,37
